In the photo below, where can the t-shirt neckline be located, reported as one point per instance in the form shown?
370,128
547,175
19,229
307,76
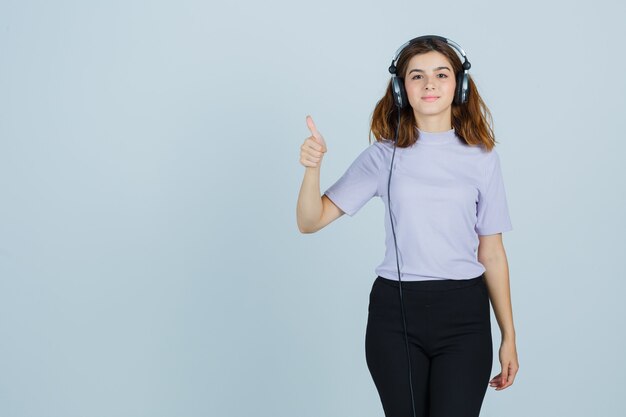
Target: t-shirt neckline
436,138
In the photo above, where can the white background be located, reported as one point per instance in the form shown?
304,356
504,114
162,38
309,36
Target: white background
150,261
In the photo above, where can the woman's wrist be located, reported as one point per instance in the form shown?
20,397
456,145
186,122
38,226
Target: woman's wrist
508,337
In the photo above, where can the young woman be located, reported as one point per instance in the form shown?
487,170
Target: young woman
449,210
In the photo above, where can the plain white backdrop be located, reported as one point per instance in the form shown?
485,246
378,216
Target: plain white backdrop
150,261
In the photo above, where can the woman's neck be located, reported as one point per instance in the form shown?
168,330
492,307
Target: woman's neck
435,123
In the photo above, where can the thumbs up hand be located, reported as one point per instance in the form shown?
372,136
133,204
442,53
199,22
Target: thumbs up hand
314,147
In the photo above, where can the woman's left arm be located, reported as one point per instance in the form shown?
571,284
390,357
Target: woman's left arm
492,256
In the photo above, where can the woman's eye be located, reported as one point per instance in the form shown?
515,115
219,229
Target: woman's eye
415,77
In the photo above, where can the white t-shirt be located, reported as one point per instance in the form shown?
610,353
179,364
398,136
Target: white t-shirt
444,194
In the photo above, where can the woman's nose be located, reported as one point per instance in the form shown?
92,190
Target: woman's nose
429,83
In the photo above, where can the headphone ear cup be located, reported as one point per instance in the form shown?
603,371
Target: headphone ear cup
398,92
461,94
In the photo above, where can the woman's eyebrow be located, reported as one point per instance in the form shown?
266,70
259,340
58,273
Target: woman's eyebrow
435,69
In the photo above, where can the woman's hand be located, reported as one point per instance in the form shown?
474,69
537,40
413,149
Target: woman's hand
509,364
313,149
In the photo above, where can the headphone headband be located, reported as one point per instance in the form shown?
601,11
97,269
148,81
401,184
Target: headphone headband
466,64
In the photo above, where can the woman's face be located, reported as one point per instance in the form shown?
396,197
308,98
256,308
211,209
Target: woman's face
430,75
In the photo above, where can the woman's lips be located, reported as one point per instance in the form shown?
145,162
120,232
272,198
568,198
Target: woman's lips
429,99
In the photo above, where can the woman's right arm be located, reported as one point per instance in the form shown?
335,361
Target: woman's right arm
313,212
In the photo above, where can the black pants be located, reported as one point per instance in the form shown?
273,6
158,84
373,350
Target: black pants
449,333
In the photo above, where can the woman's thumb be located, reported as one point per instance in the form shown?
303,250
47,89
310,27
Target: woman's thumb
316,134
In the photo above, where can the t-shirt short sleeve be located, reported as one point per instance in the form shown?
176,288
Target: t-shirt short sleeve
359,183
492,210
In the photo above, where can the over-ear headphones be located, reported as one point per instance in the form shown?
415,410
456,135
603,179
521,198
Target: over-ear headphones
461,94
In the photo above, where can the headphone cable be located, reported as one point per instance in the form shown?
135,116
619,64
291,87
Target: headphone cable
406,338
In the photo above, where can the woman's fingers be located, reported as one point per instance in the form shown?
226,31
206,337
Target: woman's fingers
313,149
510,377
497,382
504,379
509,363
